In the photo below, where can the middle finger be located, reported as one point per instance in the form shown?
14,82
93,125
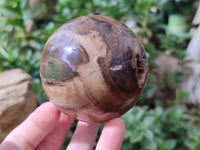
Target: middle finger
84,136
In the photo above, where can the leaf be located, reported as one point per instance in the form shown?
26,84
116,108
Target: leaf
23,4
170,144
128,134
149,134
3,52
158,111
15,22
192,132
29,14
176,113
137,137
8,13
141,113
149,91
190,143
148,121
149,145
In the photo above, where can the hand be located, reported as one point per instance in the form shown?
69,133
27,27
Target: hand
46,129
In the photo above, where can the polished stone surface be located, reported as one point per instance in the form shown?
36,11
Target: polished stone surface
93,68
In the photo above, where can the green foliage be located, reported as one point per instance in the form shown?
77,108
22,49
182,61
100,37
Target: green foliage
160,129
18,47
164,124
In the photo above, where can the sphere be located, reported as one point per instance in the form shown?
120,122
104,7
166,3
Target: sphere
93,68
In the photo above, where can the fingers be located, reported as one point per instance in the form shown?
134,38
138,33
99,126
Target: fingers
112,135
84,136
30,133
57,136
47,127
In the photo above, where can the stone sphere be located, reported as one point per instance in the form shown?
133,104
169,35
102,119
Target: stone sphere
93,68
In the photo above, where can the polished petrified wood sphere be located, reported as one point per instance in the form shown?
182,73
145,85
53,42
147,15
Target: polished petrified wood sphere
93,68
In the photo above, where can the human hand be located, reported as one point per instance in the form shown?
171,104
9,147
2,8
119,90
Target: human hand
46,129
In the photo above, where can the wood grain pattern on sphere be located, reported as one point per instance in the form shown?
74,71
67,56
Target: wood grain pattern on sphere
93,68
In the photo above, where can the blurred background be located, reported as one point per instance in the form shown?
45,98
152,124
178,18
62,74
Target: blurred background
167,116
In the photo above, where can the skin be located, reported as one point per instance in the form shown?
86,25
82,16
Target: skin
41,131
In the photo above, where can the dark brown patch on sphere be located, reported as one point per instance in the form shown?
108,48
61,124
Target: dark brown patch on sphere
93,68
